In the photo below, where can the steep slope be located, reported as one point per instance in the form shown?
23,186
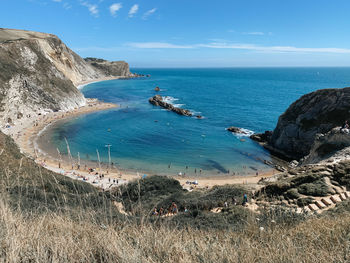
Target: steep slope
38,73
32,188
308,119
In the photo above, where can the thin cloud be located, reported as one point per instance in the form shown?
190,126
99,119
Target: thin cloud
275,48
67,6
133,10
254,33
157,45
57,0
114,8
93,9
148,13
220,45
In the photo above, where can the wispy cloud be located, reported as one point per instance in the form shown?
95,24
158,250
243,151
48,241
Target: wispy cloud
274,48
67,6
148,13
114,8
256,33
93,9
157,45
133,10
57,0
252,47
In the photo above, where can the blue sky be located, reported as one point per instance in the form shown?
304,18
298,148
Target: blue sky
193,33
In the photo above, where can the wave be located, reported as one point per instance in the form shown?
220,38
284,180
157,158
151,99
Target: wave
245,133
169,99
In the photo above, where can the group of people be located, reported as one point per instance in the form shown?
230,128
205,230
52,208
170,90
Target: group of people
172,210
234,201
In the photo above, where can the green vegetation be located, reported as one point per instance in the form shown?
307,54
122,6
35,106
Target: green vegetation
300,188
33,189
46,217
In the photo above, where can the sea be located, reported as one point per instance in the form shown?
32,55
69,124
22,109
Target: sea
147,139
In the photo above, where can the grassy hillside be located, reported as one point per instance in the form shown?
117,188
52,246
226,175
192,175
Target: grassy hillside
32,189
46,217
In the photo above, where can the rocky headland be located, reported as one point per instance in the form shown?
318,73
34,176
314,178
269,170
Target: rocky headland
110,68
39,74
312,134
306,130
158,100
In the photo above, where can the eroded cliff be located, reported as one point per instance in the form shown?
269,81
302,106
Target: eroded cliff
304,129
39,73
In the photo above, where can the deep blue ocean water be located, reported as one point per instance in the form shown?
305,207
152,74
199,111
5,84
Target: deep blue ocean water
148,138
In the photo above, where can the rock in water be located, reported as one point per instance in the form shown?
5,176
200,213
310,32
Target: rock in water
156,89
157,100
237,130
262,137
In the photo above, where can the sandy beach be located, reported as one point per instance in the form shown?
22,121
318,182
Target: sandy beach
26,134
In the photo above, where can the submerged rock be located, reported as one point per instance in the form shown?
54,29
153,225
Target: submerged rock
157,100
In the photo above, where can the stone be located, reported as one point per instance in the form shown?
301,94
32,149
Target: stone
335,199
327,201
313,207
320,204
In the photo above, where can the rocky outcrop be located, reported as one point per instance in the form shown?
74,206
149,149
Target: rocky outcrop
314,113
39,73
157,100
261,137
238,130
110,68
328,145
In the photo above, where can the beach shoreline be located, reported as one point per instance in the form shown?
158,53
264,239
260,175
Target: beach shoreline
26,135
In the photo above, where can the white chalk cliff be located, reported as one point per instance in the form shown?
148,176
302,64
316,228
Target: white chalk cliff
39,73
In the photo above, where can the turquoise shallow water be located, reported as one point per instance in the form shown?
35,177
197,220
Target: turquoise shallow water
148,138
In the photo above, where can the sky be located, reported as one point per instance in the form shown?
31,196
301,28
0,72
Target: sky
193,33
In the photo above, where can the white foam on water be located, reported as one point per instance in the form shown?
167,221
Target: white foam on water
245,133
169,99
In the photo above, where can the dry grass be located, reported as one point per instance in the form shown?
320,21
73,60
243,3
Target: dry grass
56,238
45,217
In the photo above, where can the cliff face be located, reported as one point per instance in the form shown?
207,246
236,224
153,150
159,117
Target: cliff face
38,72
110,68
299,129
